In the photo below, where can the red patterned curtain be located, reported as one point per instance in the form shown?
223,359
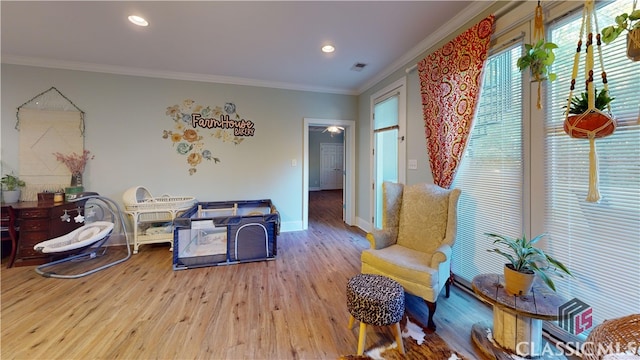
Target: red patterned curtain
450,81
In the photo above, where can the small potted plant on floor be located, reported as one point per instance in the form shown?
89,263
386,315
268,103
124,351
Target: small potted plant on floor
525,263
630,23
11,188
538,58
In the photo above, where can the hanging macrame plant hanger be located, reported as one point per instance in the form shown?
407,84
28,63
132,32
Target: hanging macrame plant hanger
50,99
538,34
593,123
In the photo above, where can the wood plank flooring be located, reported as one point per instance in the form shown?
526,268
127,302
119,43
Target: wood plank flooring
291,308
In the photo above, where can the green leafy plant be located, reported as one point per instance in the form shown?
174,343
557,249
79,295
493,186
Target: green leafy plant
580,104
537,58
527,258
624,21
11,182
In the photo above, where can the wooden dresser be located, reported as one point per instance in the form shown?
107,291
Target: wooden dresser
39,221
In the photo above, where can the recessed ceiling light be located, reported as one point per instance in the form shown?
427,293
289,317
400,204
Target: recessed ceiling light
138,20
328,49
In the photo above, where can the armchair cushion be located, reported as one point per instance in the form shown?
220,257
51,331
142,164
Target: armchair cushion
403,265
423,217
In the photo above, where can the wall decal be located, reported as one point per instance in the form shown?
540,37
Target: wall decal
190,119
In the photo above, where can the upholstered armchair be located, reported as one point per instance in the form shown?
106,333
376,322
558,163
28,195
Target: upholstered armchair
414,245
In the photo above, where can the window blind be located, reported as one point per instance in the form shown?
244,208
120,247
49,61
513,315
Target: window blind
491,170
599,242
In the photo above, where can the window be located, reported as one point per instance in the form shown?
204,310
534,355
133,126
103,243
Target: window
387,124
599,242
491,171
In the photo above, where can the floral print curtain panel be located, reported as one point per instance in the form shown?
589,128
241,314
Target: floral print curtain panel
450,82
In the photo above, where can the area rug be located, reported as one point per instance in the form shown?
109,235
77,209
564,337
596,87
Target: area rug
419,343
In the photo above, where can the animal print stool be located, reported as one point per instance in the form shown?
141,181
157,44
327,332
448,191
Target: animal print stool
375,300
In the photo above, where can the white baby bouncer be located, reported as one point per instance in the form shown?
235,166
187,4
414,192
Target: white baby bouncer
88,241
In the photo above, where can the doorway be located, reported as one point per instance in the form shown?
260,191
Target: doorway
388,119
348,175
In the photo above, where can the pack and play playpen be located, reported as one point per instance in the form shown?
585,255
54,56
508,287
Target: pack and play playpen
225,232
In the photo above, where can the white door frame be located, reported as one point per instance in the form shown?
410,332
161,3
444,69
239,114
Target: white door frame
400,86
349,167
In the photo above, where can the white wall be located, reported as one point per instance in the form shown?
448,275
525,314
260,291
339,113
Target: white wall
125,118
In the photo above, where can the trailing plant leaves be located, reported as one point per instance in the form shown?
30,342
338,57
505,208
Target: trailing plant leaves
537,58
623,21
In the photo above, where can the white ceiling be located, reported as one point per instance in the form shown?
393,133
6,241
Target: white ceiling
263,43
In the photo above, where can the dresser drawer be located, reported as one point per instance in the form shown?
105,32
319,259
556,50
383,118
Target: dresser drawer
30,238
34,213
25,253
33,225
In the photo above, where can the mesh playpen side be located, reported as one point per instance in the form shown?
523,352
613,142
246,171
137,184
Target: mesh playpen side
223,233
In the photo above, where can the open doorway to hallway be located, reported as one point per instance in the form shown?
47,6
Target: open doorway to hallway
329,164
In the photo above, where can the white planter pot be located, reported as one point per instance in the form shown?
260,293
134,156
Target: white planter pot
10,196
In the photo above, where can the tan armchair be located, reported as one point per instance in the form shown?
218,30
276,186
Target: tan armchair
414,245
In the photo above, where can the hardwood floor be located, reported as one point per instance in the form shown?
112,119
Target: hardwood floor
291,308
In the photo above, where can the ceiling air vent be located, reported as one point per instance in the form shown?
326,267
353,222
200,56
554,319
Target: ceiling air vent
358,66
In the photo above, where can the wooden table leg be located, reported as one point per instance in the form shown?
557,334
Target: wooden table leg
520,334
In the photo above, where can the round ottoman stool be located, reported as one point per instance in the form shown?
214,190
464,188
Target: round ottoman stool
375,300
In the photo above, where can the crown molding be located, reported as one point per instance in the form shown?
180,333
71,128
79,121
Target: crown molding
130,71
450,27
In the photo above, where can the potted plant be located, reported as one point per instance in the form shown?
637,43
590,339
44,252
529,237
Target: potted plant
580,123
630,23
525,263
538,58
11,188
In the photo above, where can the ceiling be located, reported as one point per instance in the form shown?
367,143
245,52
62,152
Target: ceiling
263,43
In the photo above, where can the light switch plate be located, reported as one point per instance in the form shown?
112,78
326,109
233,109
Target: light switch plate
413,164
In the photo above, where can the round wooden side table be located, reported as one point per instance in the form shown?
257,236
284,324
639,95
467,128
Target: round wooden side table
517,320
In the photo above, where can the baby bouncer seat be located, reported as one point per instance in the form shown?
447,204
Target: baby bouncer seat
87,242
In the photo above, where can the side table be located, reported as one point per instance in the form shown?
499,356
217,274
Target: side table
517,320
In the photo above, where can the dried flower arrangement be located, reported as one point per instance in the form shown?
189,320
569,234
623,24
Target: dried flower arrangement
74,162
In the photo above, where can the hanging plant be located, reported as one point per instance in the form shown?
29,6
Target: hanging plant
538,56
584,123
631,24
585,117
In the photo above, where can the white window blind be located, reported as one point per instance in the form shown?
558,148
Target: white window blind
491,172
599,242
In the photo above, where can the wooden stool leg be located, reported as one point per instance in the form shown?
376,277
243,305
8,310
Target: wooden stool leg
362,338
398,333
351,320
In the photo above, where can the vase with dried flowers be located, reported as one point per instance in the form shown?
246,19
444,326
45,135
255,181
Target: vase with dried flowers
76,164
